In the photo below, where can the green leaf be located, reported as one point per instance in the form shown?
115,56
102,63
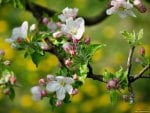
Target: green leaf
12,93
36,57
83,72
113,96
107,75
52,102
67,98
140,34
19,4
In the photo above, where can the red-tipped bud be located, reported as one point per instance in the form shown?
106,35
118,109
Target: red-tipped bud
138,4
19,40
72,51
45,20
42,81
75,77
6,91
2,52
59,24
57,34
50,78
113,84
58,103
68,62
87,40
75,91
75,41
142,51
12,80
116,80
43,93
7,62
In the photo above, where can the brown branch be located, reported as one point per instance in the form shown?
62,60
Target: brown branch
53,50
94,76
129,63
140,74
38,12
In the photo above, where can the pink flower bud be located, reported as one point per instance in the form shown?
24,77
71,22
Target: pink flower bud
45,20
66,46
19,40
7,62
57,34
42,81
142,51
75,40
72,51
44,47
75,91
2,52
6,91
116,80
50,78
43,93
59,24
111,84
58,103
75,77
12,80
68,62
87,40
138,4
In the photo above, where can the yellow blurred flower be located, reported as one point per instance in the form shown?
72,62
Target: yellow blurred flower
103,100
123,107
15,111
77,98
26,101
87,107
3,26
98,55
71,109
118,58
109,32
147,49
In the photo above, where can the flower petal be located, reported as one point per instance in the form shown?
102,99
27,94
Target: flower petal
61,93
52,86
68,88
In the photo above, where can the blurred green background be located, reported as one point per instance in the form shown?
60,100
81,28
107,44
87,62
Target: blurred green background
93,96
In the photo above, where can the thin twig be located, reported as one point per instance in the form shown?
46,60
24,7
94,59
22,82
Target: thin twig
140,74
129,63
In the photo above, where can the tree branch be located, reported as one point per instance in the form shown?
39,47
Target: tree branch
140,74
93,76
129,62
38,12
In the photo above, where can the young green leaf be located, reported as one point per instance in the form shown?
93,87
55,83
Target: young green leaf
113,96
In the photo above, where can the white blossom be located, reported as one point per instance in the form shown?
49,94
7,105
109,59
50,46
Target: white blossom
19,32
52,26
75,28
32,27
121,7
61,86
68,13
36,92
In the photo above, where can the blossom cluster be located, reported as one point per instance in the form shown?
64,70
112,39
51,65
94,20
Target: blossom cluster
54,86
7,78
124,8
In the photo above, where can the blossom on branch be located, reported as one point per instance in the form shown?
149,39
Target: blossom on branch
68,13
121,7
61,86
75,28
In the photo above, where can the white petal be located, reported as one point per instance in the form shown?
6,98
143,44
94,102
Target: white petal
129,12
68,88
36,97
52,86
61,93
69,80
32,27
36,90
24,29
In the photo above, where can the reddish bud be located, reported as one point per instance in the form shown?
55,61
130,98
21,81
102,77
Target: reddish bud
142,51
2,52
57,34
113,84
42,81
6,91
75,91
12,80
87,40
58,103
68,62
75,77
59,24
50,78
43,93
75,40
72,51
19,40
138,4
45,20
